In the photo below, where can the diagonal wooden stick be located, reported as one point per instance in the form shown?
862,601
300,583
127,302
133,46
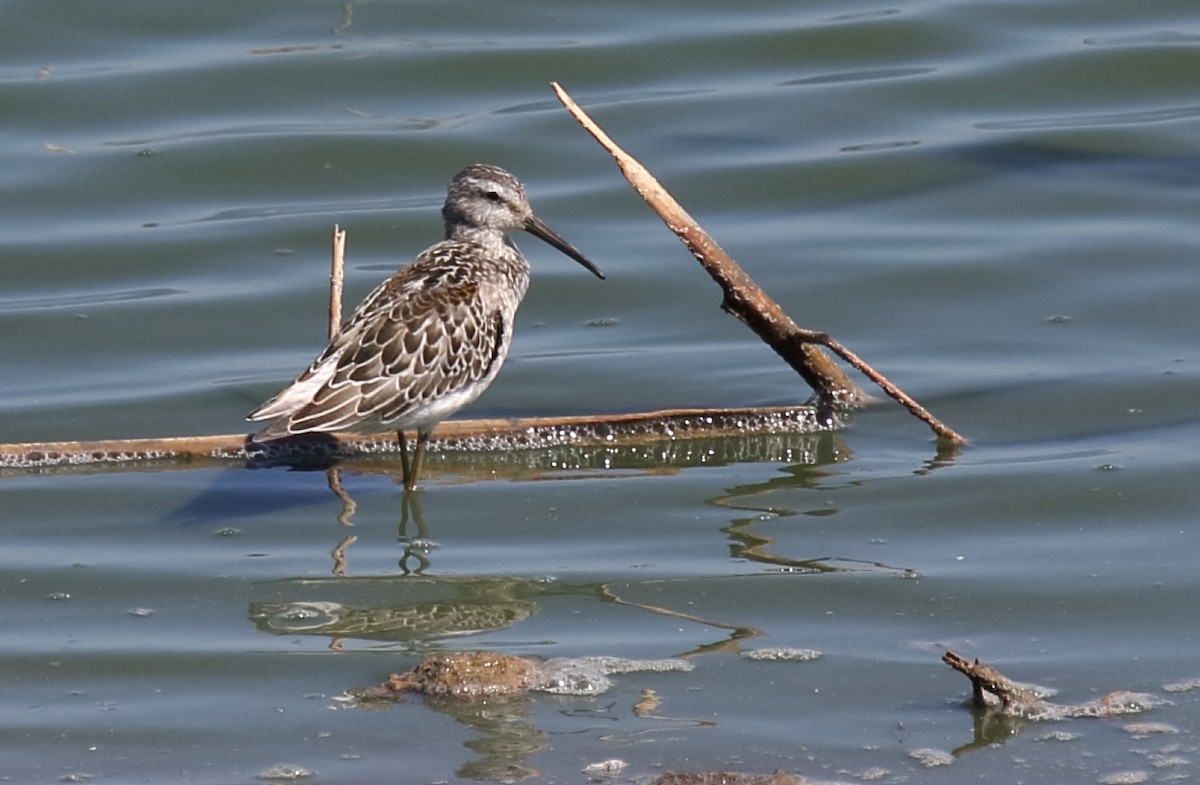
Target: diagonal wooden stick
749,303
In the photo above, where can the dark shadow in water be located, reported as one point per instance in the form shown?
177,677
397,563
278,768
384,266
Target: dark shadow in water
236,494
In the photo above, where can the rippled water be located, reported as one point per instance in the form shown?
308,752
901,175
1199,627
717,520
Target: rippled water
993,203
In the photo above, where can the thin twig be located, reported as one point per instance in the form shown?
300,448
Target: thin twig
885,384
336,279
745,300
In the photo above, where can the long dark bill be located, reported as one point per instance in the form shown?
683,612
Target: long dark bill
534,226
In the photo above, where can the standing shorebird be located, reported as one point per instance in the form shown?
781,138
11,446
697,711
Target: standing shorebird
430,339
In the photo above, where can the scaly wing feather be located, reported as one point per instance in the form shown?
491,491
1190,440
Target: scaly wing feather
419,337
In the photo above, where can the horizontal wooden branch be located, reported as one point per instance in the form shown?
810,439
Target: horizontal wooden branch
452,435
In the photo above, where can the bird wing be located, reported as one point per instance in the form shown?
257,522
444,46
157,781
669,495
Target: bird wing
416,338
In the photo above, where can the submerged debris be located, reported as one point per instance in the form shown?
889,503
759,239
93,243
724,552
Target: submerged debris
605,768
726,778
989,686
464,676
1141,730
930,757
1058,735
648,704
782,654
285,771
1182,686
483,674
873,773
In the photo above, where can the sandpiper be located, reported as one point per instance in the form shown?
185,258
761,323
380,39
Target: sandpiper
430,339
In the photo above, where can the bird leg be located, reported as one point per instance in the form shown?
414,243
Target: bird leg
404,458
423,438
412,471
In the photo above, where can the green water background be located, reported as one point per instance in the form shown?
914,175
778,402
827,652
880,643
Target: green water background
994,203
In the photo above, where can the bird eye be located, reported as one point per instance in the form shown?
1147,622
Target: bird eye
492,196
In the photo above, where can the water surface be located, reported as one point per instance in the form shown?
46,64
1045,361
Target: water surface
994,203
